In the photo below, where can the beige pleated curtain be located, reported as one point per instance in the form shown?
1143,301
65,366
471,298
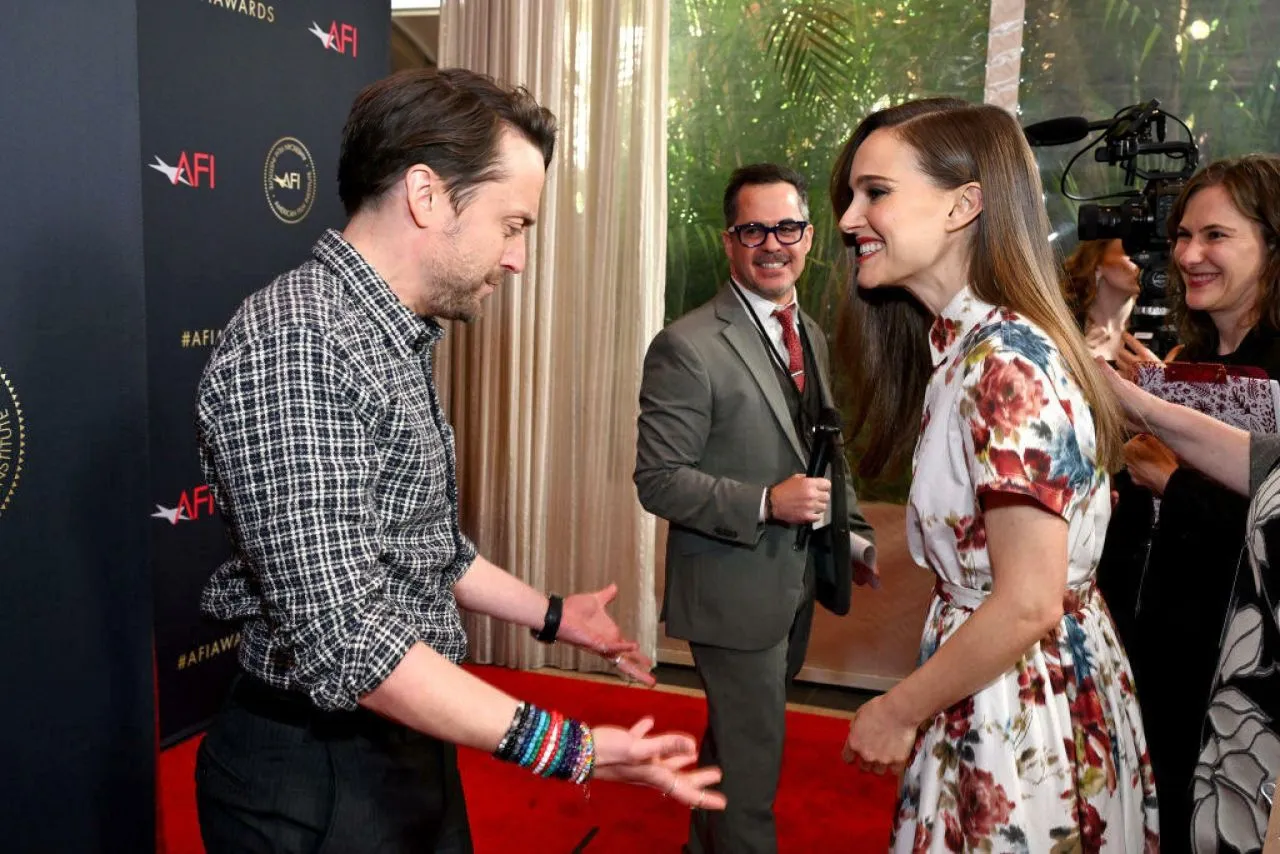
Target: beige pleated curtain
542,390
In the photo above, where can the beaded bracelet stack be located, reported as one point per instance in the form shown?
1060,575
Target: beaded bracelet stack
549,744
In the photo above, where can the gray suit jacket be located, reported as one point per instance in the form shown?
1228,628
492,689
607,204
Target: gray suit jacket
714,431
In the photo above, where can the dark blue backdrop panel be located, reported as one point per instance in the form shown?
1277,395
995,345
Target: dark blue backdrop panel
225,86
77,718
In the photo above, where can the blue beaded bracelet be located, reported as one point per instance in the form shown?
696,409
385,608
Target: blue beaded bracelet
550,745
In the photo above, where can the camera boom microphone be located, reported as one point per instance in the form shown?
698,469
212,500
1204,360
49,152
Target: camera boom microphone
1140,220
1063,131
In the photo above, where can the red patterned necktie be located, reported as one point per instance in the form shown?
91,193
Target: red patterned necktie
792,341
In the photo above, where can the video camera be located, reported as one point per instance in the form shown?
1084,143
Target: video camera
1141,219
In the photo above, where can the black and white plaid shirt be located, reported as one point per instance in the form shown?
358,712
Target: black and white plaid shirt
323,439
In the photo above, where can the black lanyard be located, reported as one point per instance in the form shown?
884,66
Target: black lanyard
776,357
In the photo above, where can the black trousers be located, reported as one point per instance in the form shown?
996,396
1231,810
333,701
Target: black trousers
276,775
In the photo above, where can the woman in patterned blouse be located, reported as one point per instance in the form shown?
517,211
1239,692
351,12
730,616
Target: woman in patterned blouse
1019,731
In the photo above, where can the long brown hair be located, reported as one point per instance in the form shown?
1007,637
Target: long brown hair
1080,277
1253,183
883,332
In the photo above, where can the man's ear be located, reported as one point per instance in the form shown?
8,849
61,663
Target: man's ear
422,185
806,242
967,206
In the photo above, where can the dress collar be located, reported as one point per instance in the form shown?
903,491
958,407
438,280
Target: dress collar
961,316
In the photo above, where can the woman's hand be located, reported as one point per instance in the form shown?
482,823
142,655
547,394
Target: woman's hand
1134,402
1135,353
657,761
1131,354
878,739
1150,463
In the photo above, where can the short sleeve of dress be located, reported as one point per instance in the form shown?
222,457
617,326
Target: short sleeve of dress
1019,426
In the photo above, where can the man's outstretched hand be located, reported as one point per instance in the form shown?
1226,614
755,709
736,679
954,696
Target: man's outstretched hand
658,760
586,624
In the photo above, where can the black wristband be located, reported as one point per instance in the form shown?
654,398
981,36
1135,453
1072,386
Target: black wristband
768,503
550,623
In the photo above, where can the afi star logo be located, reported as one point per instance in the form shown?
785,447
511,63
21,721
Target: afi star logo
190,505
194,170
337,38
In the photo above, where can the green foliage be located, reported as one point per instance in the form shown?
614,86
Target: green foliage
1215,64
786,81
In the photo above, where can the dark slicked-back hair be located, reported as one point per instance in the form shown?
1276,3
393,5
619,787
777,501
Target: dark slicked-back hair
450,120
758,175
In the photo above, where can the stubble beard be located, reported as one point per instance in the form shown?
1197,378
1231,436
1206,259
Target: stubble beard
766,289
461,300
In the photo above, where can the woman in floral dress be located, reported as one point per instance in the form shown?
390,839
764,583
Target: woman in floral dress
1019,731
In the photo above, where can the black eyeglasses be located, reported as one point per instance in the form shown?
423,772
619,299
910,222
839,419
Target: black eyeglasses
753,234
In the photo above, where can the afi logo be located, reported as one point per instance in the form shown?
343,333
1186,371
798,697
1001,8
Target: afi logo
195,169
192,504
337,38
288,181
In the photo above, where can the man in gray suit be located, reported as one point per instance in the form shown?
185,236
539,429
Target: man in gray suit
730,396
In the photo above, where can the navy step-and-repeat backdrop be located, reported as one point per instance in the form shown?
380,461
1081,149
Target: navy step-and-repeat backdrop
77,727
160,159
242,109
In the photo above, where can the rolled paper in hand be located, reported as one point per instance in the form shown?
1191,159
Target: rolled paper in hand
862,550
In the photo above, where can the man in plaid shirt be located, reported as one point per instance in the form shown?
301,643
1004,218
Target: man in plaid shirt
323,438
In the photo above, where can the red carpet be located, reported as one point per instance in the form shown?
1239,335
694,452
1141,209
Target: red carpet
823,804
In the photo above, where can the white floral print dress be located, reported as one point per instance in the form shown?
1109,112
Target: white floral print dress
1050,756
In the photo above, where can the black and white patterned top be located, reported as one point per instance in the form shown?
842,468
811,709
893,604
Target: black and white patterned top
323,439
1239,763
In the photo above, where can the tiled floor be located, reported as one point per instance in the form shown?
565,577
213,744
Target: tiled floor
804,693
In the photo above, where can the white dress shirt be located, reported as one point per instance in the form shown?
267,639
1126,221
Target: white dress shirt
772,326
